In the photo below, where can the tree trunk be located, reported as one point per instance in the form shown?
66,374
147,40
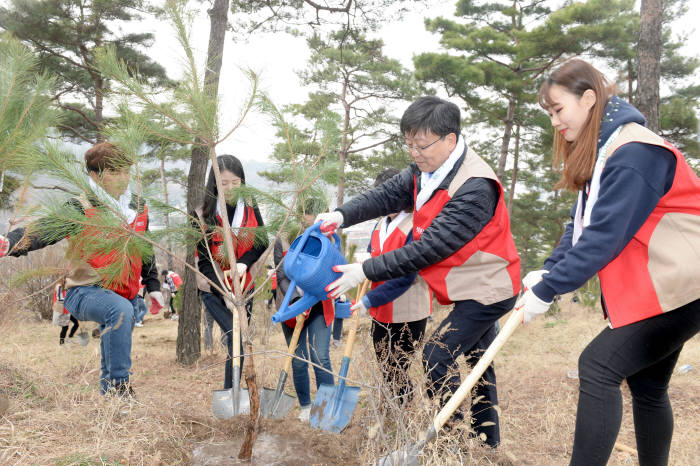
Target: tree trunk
630,81
99,105
514,177
649,61
164,182
343,155
189,330
506,138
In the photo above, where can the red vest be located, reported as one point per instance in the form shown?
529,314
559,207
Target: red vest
487,268
659,269
127,283
242,243
417,302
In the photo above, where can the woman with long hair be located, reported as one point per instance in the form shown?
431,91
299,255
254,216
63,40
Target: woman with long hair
636,224
249,243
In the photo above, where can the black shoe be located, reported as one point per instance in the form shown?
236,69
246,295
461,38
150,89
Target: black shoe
122,390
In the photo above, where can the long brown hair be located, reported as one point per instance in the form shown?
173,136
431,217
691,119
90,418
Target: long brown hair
578,157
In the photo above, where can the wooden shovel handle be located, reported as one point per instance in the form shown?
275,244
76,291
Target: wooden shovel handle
465,388
361,290
293,342
236,325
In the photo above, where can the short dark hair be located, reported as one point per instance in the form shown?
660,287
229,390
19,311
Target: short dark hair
164,272
105,156
430,113
385,175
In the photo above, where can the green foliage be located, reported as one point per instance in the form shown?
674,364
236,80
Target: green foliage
66,35
349,115
8,184
589,294
26,114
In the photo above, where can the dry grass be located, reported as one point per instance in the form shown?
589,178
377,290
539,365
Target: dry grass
57,416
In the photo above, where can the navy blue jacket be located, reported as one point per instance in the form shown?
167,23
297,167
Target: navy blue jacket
631,184
390,289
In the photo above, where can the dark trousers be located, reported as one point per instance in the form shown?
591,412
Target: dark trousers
645,354
394,344
224,318
64,330
469,329
338,329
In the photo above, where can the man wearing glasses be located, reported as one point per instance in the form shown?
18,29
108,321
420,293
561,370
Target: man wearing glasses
462,246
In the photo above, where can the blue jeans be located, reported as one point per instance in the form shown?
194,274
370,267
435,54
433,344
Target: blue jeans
140,309
317,337
115,315
218,310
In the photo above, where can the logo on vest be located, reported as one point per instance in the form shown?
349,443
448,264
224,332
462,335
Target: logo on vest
420,230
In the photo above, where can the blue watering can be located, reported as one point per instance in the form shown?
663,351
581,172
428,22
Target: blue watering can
309,265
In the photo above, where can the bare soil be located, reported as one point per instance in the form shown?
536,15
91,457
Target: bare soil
56,415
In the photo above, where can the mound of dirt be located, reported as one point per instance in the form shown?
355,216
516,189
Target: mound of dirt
279,442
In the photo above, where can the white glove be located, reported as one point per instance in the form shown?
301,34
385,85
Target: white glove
352,276
241,269
157,301
4,246
360,307
533,278
342,298
532,304
331,221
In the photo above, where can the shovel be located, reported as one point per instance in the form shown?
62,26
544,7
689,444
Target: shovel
275,403
83,338
409,455
232,401
334,405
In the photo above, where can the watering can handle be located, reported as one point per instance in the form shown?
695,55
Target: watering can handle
294,254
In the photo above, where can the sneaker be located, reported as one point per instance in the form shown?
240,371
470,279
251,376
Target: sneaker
336,343
174,317
138,324
305,413
122,390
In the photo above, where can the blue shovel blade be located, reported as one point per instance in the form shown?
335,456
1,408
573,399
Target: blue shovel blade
333,408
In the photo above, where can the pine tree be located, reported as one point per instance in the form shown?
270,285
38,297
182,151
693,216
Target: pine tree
356,82
65,34
26,114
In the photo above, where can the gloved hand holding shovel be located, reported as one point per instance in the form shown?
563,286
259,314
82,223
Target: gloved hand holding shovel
409,455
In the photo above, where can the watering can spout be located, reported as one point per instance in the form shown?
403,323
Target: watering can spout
309,265
289,312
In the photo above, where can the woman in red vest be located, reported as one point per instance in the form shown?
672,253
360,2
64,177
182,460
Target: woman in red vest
399,307
315,338
637,225
249,242
92,294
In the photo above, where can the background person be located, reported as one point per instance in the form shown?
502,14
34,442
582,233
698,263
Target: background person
90,294
399,307
61,316
636,224
315,337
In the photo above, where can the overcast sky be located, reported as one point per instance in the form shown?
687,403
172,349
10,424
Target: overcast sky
277,57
